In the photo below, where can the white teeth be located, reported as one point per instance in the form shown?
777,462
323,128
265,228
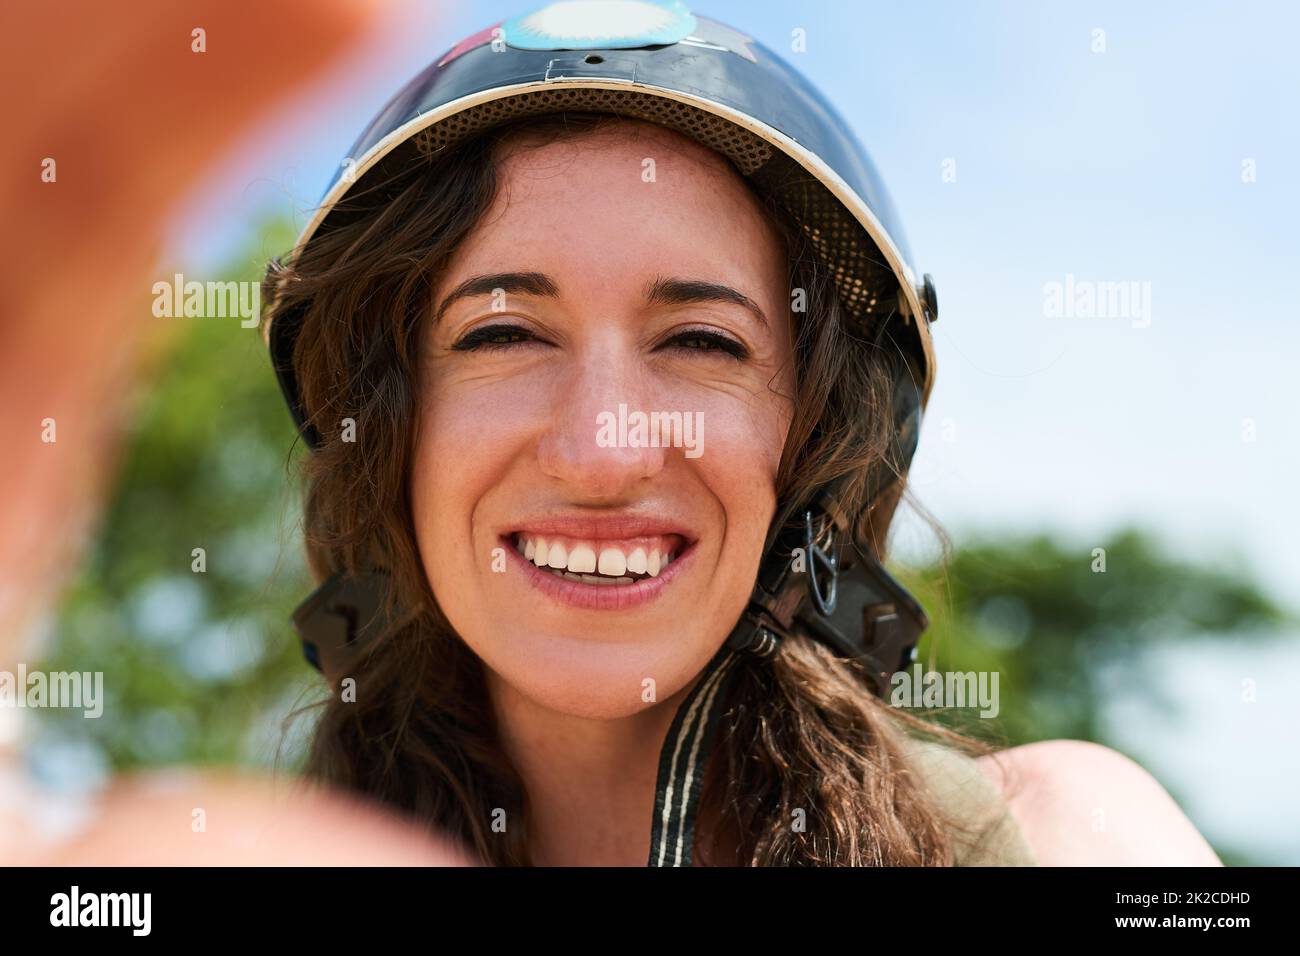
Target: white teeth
582,559
613,562
590,563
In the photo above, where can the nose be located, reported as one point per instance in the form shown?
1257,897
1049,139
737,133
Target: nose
582,444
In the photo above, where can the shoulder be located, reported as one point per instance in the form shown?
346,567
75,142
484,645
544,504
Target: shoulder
1083,804
978,820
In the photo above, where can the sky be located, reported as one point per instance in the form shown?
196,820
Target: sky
1022,147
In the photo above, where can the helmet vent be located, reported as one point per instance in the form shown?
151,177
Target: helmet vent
742,147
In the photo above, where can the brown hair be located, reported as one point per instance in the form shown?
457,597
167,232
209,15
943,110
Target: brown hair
801,730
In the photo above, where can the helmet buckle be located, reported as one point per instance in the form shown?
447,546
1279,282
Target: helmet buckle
823,566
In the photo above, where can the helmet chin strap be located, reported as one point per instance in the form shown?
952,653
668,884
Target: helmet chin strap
683,760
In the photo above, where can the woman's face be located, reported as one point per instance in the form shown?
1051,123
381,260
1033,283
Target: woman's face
622,278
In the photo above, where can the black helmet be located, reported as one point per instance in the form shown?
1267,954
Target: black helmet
719,87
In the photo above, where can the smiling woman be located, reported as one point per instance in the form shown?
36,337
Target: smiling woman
528,410
527,310
583,636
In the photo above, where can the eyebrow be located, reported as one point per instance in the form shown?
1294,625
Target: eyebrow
669,291
510,283
662,291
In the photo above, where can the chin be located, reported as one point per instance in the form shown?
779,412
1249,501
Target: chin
590,678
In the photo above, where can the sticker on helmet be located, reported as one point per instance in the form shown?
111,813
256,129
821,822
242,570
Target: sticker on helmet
486,35
718,36
599,25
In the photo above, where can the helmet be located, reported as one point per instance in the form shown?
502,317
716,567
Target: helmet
661,63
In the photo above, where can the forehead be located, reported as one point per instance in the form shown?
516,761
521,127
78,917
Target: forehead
619,201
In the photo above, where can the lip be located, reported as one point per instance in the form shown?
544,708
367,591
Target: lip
605,527
600,597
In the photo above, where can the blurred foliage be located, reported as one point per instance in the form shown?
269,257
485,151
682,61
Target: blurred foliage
198,667
1063,633
204,668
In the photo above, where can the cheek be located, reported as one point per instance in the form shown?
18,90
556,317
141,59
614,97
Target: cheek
742,454
465,444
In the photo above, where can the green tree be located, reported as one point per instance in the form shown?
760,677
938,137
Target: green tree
198,666
1061,632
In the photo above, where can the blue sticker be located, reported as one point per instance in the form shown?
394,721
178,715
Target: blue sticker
599,25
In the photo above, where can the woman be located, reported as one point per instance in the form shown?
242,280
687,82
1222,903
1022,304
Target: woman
611,359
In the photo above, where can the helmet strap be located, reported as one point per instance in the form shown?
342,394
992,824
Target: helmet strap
683,761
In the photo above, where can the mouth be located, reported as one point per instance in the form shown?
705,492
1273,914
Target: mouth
592,568
604,563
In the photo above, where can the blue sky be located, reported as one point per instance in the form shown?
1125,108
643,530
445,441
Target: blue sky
1123,165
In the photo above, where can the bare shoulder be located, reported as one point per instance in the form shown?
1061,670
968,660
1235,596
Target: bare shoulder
1082,804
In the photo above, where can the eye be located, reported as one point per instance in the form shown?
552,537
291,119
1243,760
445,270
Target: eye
489,337
706,340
